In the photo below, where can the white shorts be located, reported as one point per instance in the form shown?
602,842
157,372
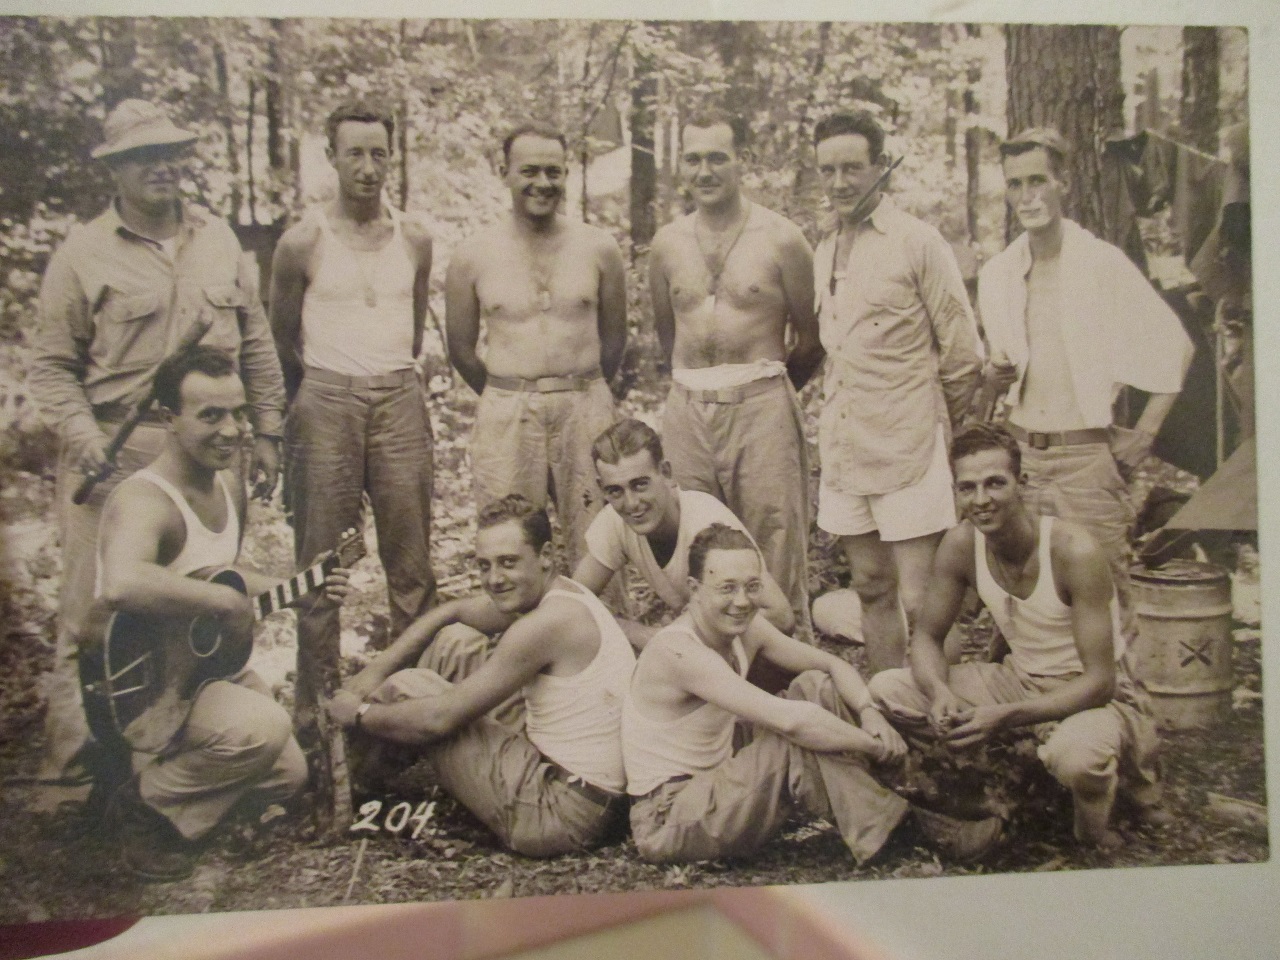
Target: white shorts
927,506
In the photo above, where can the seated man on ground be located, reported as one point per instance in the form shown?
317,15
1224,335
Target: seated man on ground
649,521
1048,587
693,797
545,773
193,761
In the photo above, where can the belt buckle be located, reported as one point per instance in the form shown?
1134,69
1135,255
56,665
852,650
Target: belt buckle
1039,441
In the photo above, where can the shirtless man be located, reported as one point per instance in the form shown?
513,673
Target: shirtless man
544,772
648,521
693,796
348,304
1047,586
727,281
1070,321
183,513
552,297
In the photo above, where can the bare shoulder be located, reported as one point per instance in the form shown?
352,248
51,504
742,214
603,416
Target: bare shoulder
955,551
416,230
781,230
1072,544
140,504
599,240
300,239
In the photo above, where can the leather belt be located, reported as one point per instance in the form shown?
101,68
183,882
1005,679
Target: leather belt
729,394
376,382
1062,438
597,795
543,384
679,778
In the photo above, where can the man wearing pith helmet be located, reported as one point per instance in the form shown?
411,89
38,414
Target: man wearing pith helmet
117,296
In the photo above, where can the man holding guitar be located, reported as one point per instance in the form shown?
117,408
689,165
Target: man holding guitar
201,744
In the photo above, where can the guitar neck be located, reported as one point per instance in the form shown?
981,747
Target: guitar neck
291,591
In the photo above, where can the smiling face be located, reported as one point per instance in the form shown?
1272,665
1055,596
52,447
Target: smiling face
1034,192
641,491
361,154
711,165
725,601
148,179
535,173
512,573
847,170
210,424
988,492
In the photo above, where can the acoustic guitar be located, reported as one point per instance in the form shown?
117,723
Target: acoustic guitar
134,664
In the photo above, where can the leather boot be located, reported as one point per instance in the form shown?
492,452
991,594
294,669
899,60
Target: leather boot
964,841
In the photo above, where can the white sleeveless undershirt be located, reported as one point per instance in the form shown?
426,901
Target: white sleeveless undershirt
575,721
654,751
1038,629
357,313
202,547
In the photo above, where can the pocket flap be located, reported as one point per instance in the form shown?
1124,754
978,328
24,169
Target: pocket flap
132,306
225,295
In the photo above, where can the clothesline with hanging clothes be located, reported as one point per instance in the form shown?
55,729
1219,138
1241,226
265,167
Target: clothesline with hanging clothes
1185,147
1149,171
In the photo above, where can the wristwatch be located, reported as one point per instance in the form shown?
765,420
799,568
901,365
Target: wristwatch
360,712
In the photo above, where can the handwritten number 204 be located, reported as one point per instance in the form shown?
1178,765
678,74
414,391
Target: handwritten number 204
398,817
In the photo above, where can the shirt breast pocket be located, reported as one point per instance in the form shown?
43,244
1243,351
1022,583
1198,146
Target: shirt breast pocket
893,293
221,307
128,331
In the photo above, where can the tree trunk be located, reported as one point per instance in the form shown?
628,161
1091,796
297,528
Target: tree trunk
228,119
644,171
117,46
1069,78
248,148
1199,114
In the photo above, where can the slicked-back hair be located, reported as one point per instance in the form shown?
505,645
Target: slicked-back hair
543,131
703,119
987,436
717,536
359,111
198,358
856,123
533,521
1047,139
624,439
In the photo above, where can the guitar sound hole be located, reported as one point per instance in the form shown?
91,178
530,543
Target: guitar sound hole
205,638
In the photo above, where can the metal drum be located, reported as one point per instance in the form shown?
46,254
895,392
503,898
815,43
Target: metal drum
1183,651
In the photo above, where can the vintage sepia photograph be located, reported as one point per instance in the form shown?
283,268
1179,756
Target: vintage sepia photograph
452,458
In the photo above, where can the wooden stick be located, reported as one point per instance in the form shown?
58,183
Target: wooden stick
355,871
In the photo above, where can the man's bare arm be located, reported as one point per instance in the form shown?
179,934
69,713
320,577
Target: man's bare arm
1087,579
949,577
462,319
592,574
477,612
524,650
612,309
137,525
664,317
420,240
702,673
288,288
796,262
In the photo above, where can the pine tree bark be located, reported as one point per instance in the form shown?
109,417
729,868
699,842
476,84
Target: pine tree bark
1068,78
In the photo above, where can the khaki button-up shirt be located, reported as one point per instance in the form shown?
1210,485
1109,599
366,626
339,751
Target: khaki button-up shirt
903,349
113,304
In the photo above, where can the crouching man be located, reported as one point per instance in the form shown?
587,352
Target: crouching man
693,797
1048,587
544,773
194,755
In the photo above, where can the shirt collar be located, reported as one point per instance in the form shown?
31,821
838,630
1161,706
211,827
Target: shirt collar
190,219
1022,245
880,216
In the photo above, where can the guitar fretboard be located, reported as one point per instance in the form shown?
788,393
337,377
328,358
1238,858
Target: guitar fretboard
293,590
